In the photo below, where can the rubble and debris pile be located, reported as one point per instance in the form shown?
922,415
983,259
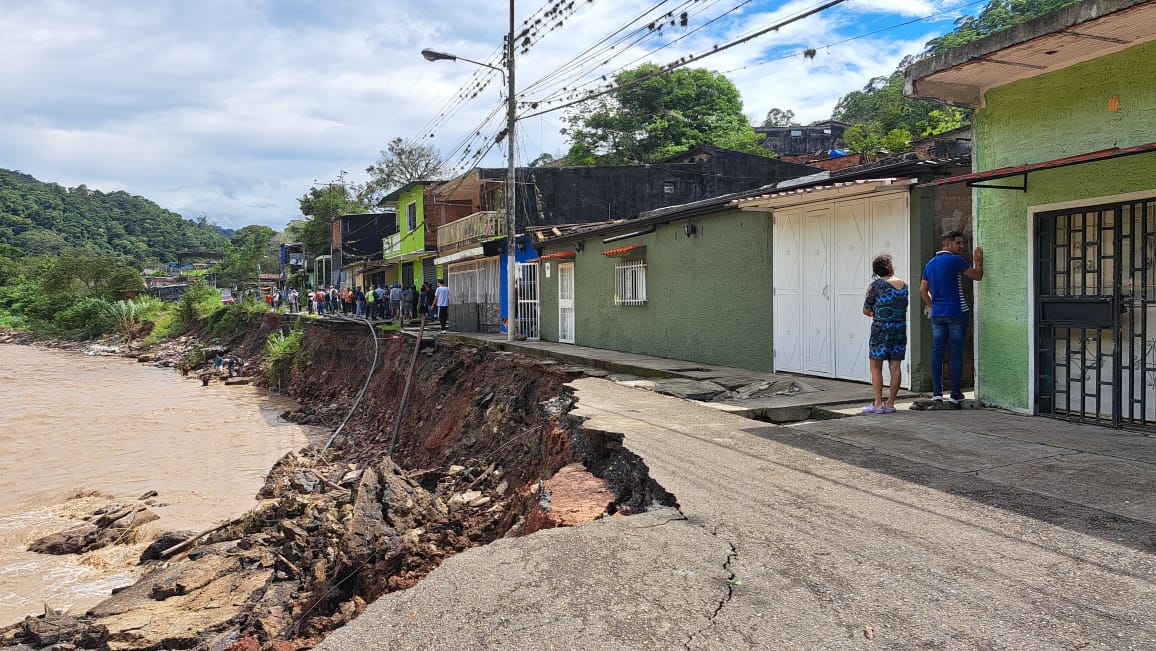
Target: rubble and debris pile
486,449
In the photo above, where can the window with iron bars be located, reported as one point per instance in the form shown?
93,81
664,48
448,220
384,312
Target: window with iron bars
630,282
411,217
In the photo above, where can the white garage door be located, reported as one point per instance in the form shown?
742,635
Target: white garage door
822,266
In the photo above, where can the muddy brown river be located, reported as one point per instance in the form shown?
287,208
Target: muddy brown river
78,432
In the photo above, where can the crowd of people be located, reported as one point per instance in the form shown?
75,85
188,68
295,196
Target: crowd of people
395,303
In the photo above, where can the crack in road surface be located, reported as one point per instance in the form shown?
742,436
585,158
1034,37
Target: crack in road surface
731,583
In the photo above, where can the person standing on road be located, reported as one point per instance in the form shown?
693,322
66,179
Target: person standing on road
941,289
425,300
886,304
395,301
407,296
442,302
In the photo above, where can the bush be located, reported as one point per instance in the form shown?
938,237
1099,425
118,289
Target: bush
281,350
88,318
11,321
198,302
165,325
228,319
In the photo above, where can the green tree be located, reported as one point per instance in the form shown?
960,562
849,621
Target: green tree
399,164
880,111
779,118
251,252
321,206
997,15
655,114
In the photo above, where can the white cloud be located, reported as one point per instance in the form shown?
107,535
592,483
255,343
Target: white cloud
232,108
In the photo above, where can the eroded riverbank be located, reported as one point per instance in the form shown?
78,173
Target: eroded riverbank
486,449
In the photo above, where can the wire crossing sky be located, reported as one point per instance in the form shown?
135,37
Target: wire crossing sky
233,109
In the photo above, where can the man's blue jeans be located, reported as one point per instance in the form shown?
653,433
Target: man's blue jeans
947,336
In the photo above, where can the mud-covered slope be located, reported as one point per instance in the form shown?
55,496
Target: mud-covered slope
486,448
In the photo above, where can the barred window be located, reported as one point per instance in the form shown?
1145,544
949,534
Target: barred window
630,282
411,217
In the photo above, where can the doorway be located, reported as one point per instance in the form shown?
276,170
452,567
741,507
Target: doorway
566,302
1096,314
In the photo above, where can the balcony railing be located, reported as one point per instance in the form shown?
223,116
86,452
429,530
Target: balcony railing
391,245
474,228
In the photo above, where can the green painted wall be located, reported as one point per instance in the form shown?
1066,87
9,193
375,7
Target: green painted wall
412,241
708,295
1051,116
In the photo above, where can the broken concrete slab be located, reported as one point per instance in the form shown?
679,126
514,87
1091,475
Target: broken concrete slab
683,388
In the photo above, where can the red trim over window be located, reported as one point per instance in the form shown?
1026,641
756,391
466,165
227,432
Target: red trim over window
624,250
561,255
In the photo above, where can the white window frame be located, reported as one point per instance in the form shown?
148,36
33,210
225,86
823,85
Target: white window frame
630,282
411,216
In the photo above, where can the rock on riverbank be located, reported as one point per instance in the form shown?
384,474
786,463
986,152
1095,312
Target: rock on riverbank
486,449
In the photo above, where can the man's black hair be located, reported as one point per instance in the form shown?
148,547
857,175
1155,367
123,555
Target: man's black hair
950,235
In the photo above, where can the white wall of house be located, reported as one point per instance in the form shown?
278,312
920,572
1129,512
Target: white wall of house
822,266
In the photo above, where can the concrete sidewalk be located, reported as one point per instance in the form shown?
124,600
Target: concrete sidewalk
954,530
773,397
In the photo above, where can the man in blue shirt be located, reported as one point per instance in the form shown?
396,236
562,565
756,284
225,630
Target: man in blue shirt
941,289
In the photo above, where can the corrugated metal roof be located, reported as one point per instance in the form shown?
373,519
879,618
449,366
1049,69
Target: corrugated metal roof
813,192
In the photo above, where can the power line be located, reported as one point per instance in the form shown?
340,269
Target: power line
685,61
591,52
650,31
863,35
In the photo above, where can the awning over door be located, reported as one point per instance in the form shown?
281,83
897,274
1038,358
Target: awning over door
1023,170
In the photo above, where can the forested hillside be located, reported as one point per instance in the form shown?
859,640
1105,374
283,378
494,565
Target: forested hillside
884,120
45,218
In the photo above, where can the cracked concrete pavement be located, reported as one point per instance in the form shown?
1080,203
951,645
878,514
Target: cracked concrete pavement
861,533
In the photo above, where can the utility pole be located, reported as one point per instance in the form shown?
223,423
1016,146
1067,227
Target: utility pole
511,185
511,172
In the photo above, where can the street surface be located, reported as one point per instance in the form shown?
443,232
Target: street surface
857,533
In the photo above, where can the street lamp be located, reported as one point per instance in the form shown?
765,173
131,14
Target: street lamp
508,75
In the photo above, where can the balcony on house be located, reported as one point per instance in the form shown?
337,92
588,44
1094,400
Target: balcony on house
391,245
474,228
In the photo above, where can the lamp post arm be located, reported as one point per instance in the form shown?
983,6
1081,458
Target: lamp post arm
485,65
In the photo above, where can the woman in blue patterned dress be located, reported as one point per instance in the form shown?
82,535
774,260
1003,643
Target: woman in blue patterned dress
886,304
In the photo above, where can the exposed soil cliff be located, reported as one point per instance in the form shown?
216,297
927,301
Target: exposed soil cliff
486,448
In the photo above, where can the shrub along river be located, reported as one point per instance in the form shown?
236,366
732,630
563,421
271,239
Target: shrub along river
79,432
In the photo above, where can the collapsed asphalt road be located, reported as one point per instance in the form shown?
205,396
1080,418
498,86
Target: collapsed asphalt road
778,545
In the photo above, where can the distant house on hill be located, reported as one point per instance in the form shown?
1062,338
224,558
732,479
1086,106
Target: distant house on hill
804,140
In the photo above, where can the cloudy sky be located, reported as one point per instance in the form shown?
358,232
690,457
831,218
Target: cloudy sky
234,108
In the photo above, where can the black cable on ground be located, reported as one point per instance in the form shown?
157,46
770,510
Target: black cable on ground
368,377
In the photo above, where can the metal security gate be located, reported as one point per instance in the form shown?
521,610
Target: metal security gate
526,294
1096,314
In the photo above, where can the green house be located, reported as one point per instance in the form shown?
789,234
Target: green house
770,280
1064,182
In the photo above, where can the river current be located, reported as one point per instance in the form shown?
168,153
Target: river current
79,432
